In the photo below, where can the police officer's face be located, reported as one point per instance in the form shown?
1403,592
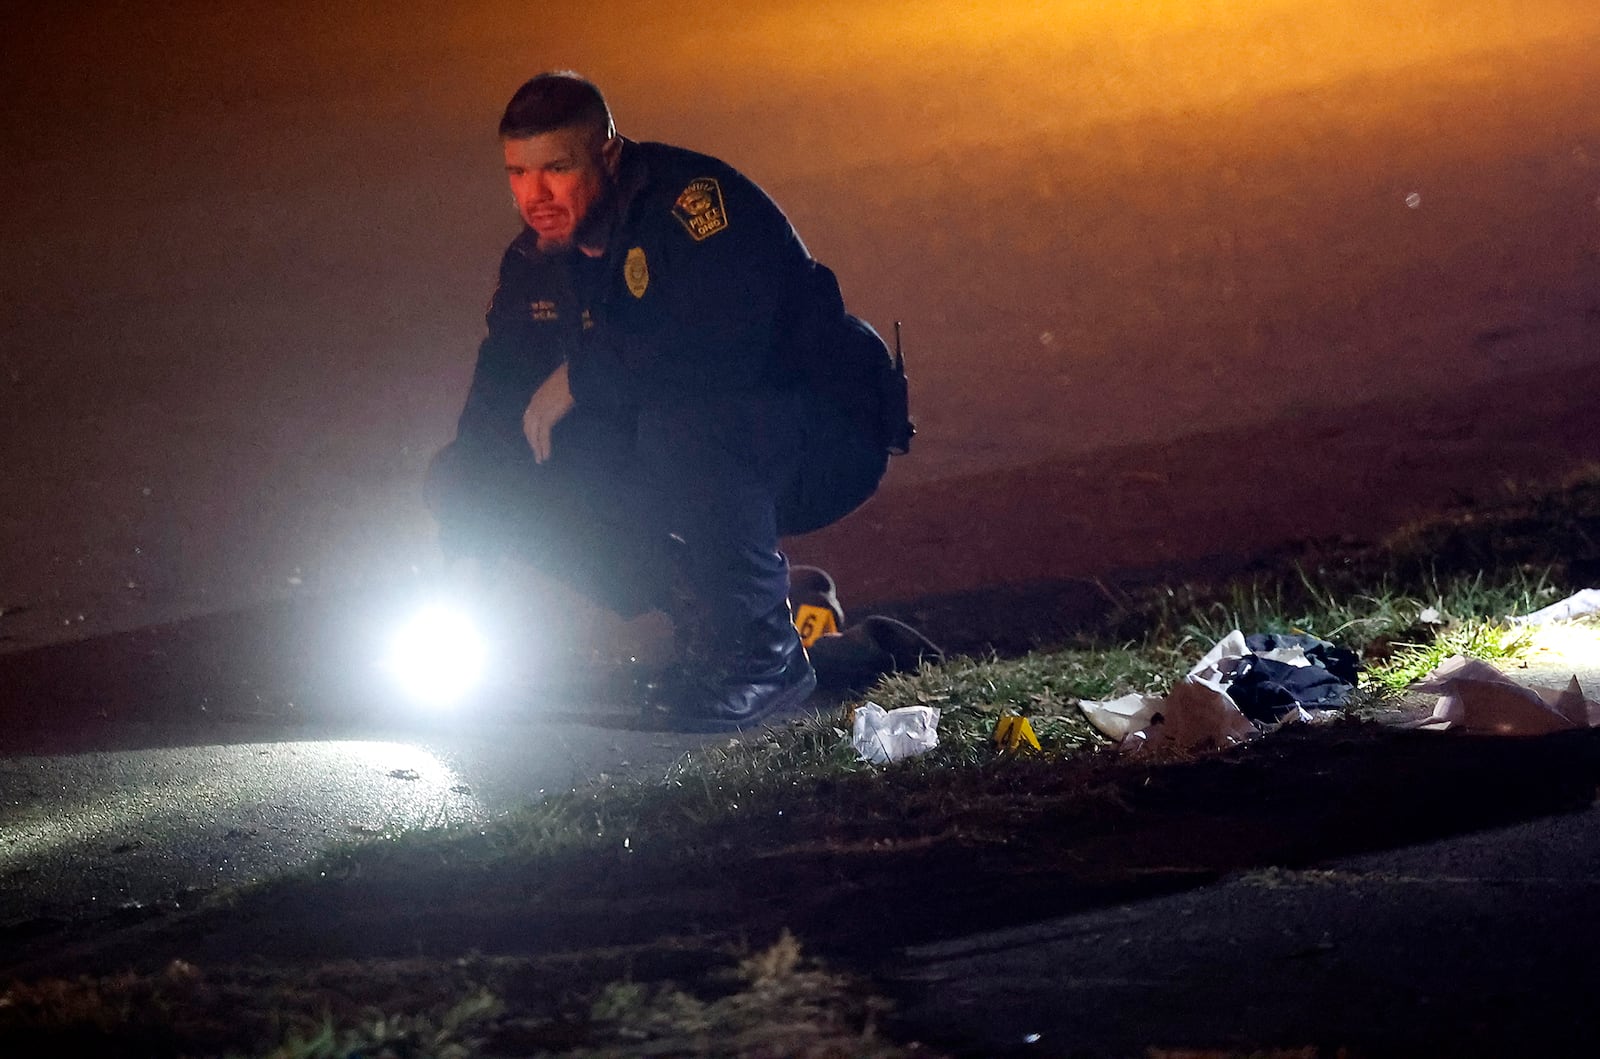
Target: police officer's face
557,178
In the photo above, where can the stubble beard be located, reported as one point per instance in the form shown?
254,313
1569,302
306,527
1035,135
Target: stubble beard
551,247
594,230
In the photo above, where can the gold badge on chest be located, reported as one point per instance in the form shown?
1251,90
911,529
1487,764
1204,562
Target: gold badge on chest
636,271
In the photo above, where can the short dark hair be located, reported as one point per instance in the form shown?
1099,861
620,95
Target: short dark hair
556,100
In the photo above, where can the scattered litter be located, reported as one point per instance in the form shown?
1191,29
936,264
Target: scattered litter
1574,606
880,736
1477,697
1118,718
1216,668
1012,732
1194,715
1191,716
1242,686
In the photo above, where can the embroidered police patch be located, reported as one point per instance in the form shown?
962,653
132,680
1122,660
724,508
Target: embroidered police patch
636,272
542,310
700,208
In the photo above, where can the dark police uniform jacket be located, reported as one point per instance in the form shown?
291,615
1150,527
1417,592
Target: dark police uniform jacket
704,288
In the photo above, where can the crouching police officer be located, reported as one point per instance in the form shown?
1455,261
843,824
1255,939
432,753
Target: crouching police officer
668,384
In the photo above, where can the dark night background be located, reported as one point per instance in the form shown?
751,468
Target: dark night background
245,250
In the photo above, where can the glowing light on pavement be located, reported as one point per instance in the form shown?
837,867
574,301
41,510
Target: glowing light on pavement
1565,645
131,802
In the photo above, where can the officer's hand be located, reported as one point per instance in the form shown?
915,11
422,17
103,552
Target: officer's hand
550,402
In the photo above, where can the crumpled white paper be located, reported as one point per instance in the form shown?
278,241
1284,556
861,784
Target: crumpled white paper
1476,696
1118,718
1574,606
1220,663
880,736
1196,713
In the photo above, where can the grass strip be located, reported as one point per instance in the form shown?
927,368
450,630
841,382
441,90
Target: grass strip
672,977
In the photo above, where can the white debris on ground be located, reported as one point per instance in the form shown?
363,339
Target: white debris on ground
1196,713
881,736
1474,696
1482,698
1477,697
1574,606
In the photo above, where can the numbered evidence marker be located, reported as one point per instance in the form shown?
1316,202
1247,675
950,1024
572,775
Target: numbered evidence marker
813,623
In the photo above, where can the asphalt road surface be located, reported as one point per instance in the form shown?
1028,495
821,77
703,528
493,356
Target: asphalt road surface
157,814
1473,945
139,768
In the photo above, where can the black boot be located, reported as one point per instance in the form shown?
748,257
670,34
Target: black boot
735,682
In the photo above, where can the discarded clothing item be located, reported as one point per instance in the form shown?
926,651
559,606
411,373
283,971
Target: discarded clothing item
1477,697
1266,690
851,657
1574,606
814,603
1278,673
1240,687
1340,661
1268,675
873,647
1196,714
881,736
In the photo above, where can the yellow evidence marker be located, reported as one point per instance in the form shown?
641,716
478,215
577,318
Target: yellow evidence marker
1011,731
813,623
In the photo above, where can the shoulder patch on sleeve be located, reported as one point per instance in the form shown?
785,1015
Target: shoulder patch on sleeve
700,208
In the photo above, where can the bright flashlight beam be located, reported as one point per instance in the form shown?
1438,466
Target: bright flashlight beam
438,657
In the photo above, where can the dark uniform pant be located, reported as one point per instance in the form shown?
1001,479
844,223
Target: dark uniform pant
726,474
